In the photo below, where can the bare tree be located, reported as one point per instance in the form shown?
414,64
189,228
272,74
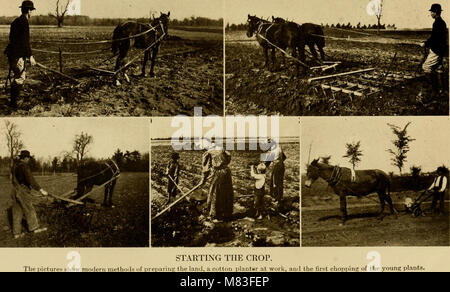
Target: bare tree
354,153
13,139
401,146
379,13
80,146
61,11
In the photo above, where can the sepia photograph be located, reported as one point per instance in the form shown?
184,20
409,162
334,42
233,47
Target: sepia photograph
337,57
375,182
233,191
64,58
74,182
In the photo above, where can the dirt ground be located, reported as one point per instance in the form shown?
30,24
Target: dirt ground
126,225
321,221
189,73
252,89
184,224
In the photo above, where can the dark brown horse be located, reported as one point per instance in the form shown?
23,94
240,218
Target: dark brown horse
311,35
149,34
93,173
270,35
344,184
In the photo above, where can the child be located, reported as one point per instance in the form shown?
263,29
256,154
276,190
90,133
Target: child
173,171
260,175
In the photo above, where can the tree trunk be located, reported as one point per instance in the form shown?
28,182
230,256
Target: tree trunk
60,22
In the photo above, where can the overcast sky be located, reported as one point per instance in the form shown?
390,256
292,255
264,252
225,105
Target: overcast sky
179,9
403,13
51,137
330,135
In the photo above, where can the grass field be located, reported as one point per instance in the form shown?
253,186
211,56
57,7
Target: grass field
181,226
188,74
126,225
254,90
321,220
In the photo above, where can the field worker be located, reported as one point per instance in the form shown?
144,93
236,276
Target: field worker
173,171
276,157
437,43
19,50
259,174
23,184
438,189
215,162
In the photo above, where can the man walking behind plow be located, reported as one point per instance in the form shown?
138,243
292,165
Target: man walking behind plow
437,43
19,51
23,184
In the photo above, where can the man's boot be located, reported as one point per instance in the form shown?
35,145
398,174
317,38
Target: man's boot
15,94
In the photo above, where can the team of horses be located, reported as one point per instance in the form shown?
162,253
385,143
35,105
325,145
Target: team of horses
359,184
282,34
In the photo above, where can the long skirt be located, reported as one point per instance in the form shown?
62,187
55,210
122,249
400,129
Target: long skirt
221,195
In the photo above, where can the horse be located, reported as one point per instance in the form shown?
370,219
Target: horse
310,34
93,173
123,40
345,183
269,34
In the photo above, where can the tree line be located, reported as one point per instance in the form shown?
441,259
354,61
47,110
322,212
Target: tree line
243,26
80,20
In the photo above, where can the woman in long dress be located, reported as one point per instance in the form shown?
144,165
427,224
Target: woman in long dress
215,163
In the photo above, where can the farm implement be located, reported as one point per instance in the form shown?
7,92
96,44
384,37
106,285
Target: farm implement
415,207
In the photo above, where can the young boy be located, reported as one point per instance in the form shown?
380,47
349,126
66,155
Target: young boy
259,174
173,171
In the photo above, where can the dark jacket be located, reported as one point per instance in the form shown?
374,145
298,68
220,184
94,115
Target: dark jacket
19,39
24,176
438,40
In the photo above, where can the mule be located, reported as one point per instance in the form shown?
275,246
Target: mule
158,29
269,34
344,184
95,173
310,35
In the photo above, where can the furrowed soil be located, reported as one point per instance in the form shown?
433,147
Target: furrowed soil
126,225
321,221
184,225
189,73
252,89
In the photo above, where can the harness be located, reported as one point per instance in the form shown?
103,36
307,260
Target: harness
336,176
115,172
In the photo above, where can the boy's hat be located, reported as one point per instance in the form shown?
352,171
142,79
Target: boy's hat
175,156
261,167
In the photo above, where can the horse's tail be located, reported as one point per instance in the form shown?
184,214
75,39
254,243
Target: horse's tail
116,44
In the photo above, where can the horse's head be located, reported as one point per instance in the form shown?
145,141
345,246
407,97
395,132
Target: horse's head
164,20
253,23
313,173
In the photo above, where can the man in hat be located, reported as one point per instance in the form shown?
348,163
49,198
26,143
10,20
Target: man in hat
23,185
437,43
438,188
19,51
173,171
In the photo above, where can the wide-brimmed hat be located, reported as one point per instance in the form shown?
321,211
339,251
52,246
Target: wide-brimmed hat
436,8
442,169
24,154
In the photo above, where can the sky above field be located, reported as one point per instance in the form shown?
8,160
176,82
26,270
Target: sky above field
330,135
179,9
51,137
403,13
162,128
